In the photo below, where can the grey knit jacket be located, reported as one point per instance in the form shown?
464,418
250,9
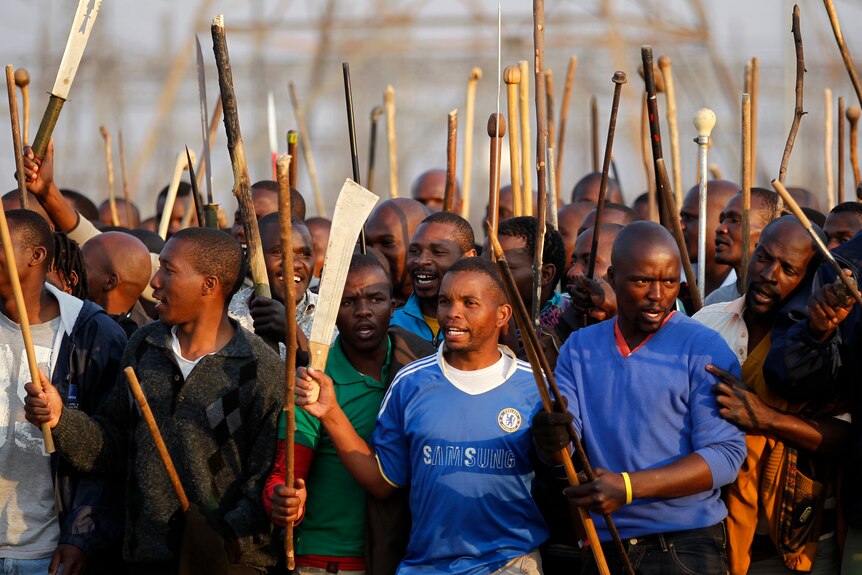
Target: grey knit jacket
219,426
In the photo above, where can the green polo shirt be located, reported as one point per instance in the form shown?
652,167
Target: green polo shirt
334,522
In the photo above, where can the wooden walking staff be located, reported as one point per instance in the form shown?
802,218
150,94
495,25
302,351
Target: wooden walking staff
594,132
851,286
797,110
284,215
292,145
181,165
840,149
553,197
391,140
827,148
496,131
23,318
664,65
475,76
526,145
755,90
307,155
652,115
82,25
127,195
141,400
109,164
619,79
451,148
564,116
853,113
22,80
746,187
512,77
544,377
376,112
549,99
241,184
704,122
842,47
652,201
541,147
16,136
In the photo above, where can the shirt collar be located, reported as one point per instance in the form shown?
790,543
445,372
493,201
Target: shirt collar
342,371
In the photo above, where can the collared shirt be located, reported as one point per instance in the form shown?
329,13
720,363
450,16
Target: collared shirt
238,310
726,318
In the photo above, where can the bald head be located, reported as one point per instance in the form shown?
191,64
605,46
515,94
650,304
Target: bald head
118,269
389,230
718,193
429,189
580,262
587,189
640,240
611,214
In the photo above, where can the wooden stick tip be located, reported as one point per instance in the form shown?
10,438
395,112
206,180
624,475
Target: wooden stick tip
453,114
664,62
496,125
376,112
218,21
103,131
704,122
512,75
476,73
619,77
22,77
853,113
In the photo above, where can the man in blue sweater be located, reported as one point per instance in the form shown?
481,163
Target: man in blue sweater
642,401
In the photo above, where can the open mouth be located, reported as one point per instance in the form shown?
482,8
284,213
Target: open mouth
365,330
454,333
653,315
762,296
424,279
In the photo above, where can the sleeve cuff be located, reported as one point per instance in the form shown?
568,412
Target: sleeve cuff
83,231
383,474
724,471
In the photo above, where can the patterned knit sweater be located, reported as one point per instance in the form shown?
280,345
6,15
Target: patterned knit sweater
219,426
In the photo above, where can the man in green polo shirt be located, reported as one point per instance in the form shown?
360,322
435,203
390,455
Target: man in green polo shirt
332,536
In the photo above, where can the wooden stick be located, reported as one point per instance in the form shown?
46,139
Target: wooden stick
564,116
797,111
284,216
594,132
746,188
16,136
526,144
391,139
755,90
127,195
553,197
541,147
109,163
292,145
451,150
307,154
241,183
652,115
475,76
23,319
549,97
648,167
512,77
840,149
197,205
827,148
22,80
141,399
171,197
664,65
376,112
715,172
676,229
704,121
496,131
853,113
842,47
818,242
547,385
619,79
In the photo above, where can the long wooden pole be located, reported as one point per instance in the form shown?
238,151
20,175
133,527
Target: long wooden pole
840,149
594,132
648,167
124,177
746,189
292,146
376,112
22,80
451,160
526,144
797,110
109,165
512,77
391,140
842,47
549,99
564,116
171,197
664,65
16,136
755,90
827,148
284,216
496,131
307,154
853,113
704,121
652,115
541,147
475,76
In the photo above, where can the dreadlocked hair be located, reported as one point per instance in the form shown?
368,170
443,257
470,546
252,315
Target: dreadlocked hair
68,263
553,250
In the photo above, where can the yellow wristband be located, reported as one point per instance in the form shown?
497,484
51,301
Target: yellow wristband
628,483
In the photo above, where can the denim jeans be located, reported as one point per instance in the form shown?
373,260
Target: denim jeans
692,552
24,566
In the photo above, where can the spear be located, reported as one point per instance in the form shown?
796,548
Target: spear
16,136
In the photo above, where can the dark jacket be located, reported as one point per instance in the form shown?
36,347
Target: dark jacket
219,426
85,369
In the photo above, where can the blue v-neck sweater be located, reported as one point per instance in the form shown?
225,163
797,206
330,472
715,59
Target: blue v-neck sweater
650,409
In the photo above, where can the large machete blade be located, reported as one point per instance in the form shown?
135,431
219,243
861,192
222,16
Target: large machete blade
85,17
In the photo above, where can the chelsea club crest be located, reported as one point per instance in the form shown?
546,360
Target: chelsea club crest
509,420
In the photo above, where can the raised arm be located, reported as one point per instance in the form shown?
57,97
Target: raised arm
40,183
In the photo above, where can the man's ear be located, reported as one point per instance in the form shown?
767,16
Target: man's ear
504,314
111,282
611,275
40,254
210,284
549,271
471,253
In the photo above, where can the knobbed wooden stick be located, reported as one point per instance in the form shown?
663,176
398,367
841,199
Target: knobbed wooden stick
109,165
22,80
853,113
512,77
16,136
818,242
241,183
451,149
307,154
391,139
564,116
827,148
526,144
797,111
664,64
475,76
544,377
496,131
23,318
284,215
746,188
141,400
840,149
704,121
842,47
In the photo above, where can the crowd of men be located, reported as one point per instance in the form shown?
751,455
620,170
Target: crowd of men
723,440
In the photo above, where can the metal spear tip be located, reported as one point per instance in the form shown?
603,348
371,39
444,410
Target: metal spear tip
496,125
22,77
619,77
476,73
853,113
512,75
704,122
